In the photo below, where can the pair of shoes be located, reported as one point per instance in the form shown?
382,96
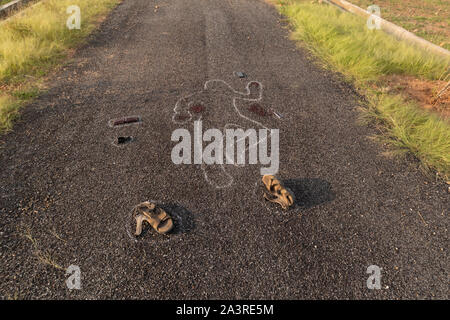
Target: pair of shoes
154,215
277,193
163,223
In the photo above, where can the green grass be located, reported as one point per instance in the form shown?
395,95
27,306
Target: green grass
434,15
9,111
36,41
2,2
343,42
410,129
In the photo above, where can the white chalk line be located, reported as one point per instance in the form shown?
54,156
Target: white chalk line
242,97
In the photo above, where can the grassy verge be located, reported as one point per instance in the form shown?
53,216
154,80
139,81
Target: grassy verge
366,57
428,19
2,2
36,41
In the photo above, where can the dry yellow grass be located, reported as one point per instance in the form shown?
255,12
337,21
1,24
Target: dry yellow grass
33,42
343,42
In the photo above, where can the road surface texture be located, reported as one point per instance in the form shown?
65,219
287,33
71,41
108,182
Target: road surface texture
67,191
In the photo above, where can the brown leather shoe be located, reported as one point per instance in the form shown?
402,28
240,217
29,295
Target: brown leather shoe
155,216
276,192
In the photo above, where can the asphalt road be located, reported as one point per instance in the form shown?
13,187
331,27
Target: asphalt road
66,191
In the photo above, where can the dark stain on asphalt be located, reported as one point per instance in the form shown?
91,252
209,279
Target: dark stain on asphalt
198,108
256,108
123,140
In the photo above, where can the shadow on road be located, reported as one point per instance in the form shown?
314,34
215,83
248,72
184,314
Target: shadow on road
310,192
182,218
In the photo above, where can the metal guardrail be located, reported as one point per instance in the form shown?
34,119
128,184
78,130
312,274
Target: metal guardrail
11,7
393,29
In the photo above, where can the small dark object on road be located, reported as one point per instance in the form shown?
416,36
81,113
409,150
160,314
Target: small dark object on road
241,74
126,120
122,140
278,115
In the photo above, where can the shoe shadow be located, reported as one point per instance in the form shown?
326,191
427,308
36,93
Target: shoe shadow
310,192
182,218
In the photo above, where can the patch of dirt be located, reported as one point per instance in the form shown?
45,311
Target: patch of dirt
425,92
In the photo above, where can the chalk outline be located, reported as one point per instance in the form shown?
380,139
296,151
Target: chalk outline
177,110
